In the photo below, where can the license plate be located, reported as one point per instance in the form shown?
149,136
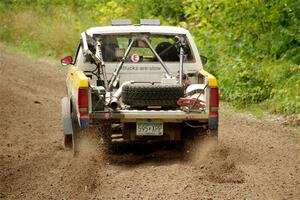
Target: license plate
149,128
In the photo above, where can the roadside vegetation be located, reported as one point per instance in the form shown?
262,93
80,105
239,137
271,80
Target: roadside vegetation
253,46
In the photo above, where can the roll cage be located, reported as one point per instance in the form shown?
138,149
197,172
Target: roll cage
91,46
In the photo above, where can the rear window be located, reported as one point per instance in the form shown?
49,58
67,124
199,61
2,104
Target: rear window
114,45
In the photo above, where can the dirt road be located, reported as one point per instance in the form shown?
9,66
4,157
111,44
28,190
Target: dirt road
255,159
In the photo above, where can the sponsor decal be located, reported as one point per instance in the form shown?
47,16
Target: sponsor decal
135,58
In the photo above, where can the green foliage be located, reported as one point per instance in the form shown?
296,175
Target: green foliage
170,12
285,93
242,83
253,46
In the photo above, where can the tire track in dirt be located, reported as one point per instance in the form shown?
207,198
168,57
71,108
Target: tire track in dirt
254,159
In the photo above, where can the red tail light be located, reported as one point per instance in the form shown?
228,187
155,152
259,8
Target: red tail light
83,101
214,101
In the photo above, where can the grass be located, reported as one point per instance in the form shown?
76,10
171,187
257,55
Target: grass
50,36
256,110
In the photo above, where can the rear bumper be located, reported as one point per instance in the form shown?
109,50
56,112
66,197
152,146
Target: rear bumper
172,123
175,116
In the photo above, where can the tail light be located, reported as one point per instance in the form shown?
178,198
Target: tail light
214,102
83,101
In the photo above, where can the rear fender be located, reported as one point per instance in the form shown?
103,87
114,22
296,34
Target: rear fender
77,79
213,120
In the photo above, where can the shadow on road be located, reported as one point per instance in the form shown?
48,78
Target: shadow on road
158,153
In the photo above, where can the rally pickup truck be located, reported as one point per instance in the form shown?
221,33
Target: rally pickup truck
138,83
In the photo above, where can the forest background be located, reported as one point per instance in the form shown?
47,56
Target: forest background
253,46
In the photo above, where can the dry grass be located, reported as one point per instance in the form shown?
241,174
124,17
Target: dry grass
39,34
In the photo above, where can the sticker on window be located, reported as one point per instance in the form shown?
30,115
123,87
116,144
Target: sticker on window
135,58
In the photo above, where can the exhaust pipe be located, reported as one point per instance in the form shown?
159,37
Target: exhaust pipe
114,102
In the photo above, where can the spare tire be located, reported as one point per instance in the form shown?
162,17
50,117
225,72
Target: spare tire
142,95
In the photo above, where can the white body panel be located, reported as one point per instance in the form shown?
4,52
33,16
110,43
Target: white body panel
143,71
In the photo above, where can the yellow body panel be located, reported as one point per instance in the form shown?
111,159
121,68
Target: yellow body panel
212,81
77,78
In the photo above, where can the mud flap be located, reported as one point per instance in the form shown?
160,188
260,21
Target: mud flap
67,122
213,123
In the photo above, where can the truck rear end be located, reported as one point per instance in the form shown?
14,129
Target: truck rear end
143,84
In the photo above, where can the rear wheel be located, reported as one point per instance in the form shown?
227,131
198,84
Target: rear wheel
213,126
76,134
213,132
75,138
68,141
196,132
106,130
71,141
111,146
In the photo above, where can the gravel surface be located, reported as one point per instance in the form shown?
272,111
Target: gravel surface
254,159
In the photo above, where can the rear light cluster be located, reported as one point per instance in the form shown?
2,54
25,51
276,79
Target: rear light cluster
214,102
83,101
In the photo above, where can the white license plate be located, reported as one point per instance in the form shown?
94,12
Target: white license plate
149,128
